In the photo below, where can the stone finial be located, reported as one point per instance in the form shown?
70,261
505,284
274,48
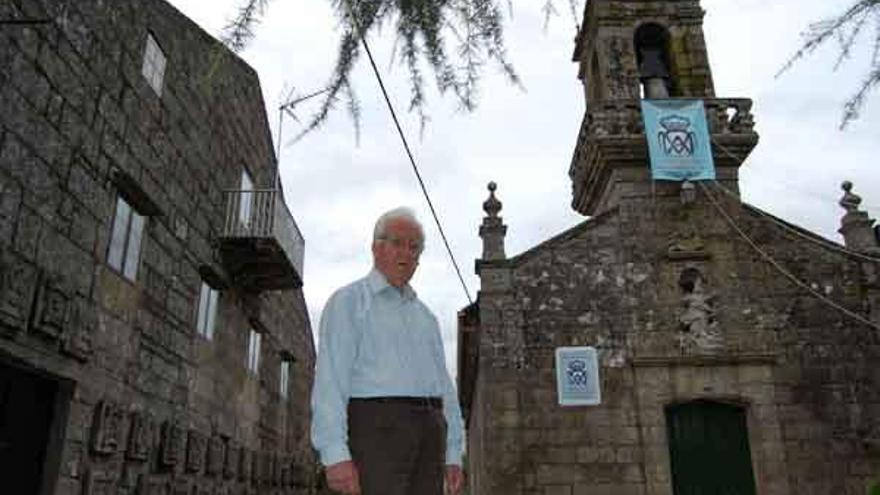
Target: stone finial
492,206
855,226
492,230
850,201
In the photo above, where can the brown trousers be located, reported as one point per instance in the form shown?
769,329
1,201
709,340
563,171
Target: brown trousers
398,448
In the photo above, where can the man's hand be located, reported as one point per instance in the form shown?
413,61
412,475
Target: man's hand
343,477
454,479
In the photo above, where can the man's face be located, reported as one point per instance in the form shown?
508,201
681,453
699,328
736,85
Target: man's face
397,254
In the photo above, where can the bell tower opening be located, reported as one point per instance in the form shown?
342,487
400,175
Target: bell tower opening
630,50
652,57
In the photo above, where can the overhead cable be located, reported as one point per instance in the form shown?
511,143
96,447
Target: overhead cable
827,244
412,161
773,262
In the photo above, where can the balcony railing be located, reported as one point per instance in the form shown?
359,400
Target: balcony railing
725,116
261,244
612,135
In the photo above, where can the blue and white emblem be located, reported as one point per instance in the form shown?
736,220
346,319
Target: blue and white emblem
577,373
677,138
577,376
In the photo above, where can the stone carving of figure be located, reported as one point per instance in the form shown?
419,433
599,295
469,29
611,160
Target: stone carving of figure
698,325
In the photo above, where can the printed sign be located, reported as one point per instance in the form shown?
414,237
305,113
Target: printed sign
577,376
678,140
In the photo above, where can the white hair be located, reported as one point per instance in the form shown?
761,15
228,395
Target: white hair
399,213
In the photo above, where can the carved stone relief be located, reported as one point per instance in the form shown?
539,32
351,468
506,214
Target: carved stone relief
140,439
256,467
107,428
244,464
181,486
196,448
97,482
686,243
82,320
153,485
173,439
50,310
284,469
699,328
18,281
215,456
620,76
203,488
230,464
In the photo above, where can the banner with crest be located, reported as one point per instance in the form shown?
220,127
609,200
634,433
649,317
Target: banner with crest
678,140
577,376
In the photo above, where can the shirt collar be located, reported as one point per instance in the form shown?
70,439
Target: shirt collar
378,283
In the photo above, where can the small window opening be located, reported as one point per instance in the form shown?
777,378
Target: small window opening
207,315
285,378
154,64
253,355
123,253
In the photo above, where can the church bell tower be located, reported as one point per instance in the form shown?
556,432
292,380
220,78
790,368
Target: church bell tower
627,50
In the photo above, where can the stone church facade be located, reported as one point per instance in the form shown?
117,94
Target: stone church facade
154,339
737,352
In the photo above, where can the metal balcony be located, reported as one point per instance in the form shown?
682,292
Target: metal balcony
260,245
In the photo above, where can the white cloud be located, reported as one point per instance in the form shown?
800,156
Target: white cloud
524,140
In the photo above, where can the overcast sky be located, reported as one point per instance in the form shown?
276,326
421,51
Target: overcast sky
523,140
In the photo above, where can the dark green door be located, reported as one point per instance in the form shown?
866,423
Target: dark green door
709,449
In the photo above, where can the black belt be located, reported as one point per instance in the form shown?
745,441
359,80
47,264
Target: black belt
431,402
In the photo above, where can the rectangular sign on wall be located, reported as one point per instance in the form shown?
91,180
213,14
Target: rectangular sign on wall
577,376
678,140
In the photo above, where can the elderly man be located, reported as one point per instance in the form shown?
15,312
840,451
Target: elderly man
385,416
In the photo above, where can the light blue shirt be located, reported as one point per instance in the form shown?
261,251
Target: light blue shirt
377,341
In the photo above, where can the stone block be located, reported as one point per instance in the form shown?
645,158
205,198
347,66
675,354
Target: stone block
557,490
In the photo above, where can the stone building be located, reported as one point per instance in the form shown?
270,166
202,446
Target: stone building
737,352
153,333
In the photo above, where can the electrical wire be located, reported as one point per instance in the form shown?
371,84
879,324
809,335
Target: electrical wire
826,244
412,161
803,285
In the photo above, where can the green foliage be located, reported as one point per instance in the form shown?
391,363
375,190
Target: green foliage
456,39
874,489
845,28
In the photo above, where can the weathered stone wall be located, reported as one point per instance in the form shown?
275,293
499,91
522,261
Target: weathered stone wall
801,369
152,403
